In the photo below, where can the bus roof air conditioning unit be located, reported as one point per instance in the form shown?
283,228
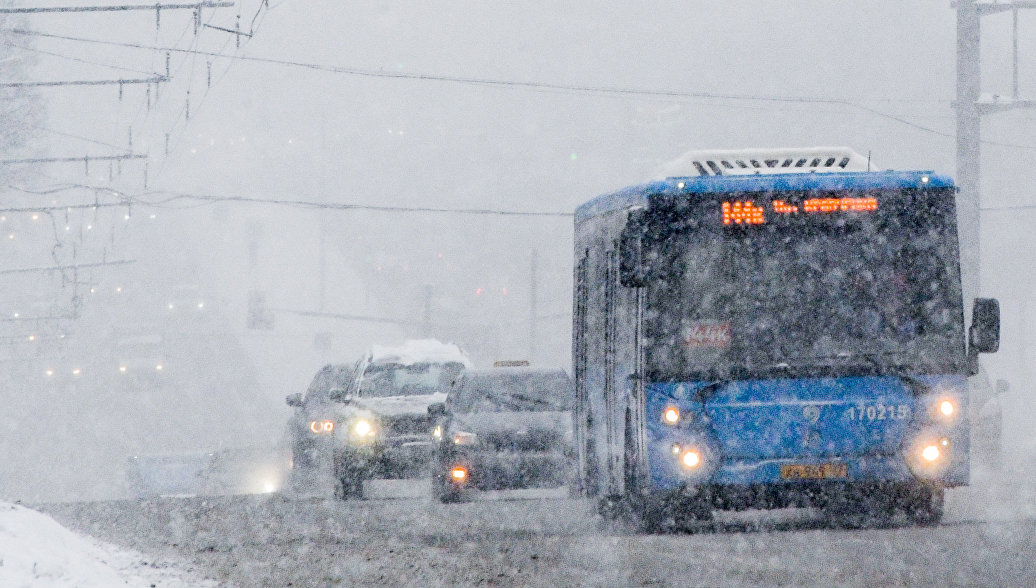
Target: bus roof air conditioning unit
743,162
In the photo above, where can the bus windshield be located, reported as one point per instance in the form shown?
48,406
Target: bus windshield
839,293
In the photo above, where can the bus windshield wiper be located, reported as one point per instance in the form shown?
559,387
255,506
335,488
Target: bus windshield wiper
703,394
872,358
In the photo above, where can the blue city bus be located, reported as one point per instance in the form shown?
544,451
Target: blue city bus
774,329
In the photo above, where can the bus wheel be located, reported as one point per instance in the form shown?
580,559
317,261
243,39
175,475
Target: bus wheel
692,514
862,507
663,514
924,506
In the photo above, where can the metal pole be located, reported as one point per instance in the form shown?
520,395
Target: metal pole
968,145
532,305
426,319
1014,50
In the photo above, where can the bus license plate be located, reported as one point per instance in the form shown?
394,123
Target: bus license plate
817,471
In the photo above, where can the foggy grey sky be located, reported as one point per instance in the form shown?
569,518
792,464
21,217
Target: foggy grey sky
273,131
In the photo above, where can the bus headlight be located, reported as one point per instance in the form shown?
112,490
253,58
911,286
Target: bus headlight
691,459
671,415
946,409
929,456
931,453
695,460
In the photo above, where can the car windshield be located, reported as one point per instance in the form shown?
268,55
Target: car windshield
859,291
393,379
517,392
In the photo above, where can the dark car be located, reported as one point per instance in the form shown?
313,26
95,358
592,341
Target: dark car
504,428
371,420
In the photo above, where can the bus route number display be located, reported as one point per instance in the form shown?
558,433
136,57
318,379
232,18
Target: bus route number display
747,212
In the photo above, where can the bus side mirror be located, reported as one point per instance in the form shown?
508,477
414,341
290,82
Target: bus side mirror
633,269
984,334
294,400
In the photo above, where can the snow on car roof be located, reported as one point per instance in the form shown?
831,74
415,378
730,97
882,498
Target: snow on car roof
419,351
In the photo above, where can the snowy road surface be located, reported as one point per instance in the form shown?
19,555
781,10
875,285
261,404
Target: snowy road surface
400,537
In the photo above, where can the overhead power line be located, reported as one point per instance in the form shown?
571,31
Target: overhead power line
124,7
78,59
208,198
152,80
79,137
57,268
539,86
85,158
345,317
147,199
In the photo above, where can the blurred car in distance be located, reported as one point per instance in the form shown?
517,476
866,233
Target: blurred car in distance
504,428
186,298
141,356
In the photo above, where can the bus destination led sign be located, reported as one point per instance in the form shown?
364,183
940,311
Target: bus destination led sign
746,212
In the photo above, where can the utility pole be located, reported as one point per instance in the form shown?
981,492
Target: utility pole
426,316
533,286
970,105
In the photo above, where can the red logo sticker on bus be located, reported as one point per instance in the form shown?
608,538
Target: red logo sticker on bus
707,335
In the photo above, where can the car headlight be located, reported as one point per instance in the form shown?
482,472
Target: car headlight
362,430
464,438
318,427
362,427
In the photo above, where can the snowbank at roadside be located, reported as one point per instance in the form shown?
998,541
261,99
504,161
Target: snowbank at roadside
36,551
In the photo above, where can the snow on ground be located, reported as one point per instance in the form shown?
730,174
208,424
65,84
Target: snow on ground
36,551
